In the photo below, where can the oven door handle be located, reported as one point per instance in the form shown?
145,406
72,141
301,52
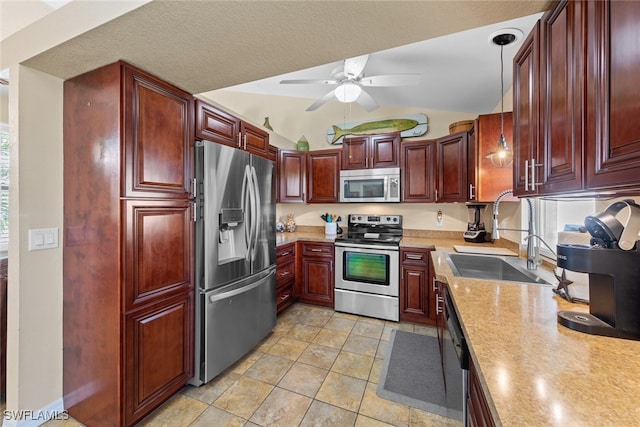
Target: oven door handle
366,246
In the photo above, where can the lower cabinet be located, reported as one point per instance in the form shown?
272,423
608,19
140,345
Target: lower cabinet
285,275
477,406
315,283
416,293
158,353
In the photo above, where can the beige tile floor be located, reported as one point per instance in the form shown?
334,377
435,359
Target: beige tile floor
317,368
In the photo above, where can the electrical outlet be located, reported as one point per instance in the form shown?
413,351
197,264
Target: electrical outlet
439,219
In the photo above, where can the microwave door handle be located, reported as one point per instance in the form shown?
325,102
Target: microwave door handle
386,188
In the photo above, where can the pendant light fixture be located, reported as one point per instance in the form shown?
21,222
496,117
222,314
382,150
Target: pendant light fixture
502,157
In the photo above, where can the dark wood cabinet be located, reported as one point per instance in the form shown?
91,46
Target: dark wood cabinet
272,153
416,296
374,151
323,176
485,181
418,172
127,252
561,99
477,406
159,353
575,121
292,175
285,275
315,283
612,136
219,126
451,161
526,98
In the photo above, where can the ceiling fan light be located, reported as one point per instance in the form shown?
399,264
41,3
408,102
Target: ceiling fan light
348,92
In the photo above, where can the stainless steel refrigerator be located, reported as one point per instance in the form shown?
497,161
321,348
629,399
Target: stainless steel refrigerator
235,256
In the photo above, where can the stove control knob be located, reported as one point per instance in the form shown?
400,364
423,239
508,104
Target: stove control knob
388,219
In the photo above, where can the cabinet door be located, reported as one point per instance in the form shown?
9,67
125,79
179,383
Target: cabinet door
158,355
418,160
490,180
323,176
384,151
216,125
452,168
158,137
415,295
158,258
613,129
291,170
355,153
254,139
476,401
525,113
272,153
317,281
562,59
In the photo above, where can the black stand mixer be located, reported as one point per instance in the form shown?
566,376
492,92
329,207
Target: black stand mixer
475,227
612,261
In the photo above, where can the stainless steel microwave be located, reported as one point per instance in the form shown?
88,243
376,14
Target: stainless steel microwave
370,185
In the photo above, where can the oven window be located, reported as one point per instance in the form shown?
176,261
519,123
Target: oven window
367,268
364,188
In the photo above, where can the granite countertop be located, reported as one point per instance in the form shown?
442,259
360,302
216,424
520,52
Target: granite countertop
535,371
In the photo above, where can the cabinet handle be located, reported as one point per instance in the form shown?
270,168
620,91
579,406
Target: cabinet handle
366,162
471,195
284,273
316,250
534,165
239,140
416,257
245,141
195,211
284,253
436,194
284,297
526,175
439,300
433,285
194,193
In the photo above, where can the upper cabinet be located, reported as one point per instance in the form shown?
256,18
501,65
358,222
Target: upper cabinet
291,171
323,176
219,126
576,126
612,136
526,97
158,137
418,171
368,152
485,181
451,161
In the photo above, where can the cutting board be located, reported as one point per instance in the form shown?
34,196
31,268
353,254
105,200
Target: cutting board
483,250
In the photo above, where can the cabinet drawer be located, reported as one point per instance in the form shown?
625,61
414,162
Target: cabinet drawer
284,297
414,256
285,273
285,254
317,249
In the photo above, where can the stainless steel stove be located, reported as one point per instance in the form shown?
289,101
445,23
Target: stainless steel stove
367,280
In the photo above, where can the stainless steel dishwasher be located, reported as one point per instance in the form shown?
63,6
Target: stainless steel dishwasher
455,359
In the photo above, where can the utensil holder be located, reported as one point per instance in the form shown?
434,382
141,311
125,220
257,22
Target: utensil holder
330,228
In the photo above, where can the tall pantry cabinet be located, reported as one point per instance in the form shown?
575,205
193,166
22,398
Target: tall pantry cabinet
128,238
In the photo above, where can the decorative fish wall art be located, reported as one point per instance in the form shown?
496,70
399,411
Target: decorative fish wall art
409,126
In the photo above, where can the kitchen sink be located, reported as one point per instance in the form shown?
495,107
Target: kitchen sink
496,268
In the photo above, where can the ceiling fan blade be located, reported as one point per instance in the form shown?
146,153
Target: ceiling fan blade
367,102
391,80
320,102
309,81
353,67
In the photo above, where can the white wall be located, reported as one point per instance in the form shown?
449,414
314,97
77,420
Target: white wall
34,342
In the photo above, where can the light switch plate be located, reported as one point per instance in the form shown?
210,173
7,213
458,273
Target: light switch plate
43,238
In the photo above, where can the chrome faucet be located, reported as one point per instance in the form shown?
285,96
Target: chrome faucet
533,250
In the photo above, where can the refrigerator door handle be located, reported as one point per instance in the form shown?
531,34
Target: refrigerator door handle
241,289
258,212
246,208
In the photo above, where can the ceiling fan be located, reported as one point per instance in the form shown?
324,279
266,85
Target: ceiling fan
350,80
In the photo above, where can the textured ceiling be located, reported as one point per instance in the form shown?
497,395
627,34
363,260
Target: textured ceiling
206,45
